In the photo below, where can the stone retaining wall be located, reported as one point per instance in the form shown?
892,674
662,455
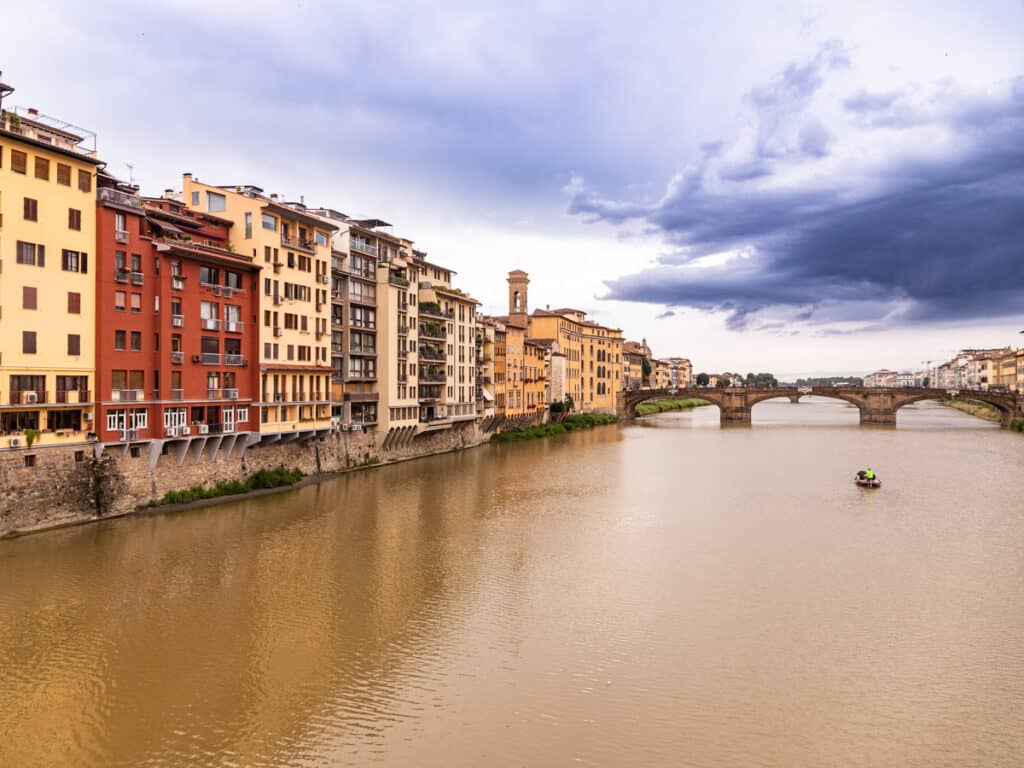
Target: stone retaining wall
53,486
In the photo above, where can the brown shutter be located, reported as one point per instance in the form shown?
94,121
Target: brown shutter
28,297
42,168
74,344
28,342
74,219
31,209
19,161
85,181
74,303
40,255
64,174
83,263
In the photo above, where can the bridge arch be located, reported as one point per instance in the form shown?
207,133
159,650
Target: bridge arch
1006,404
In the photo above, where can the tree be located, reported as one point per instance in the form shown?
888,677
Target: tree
645,366
723,382
751,380
703,379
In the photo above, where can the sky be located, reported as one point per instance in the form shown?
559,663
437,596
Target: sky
796,187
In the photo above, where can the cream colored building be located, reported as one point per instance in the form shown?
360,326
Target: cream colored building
293,246
47,283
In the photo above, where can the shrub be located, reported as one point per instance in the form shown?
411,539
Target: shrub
1017,425
661,406
571,422
265,478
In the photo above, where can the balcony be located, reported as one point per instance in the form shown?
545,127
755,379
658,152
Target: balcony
177,321
120,235
431,331
27,397
121,275
403,330
128,395
430,309
177,394
362,299
362,350
110,195
298,243
366,375
428,354
230,393
138,278
401,282
73,396
209,358
177,358
233,359
210,324
432,376
178,282
363,247
234,326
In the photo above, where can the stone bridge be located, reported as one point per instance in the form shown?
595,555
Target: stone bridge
877,405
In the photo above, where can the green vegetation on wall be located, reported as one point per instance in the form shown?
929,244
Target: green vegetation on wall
572,422
265,478
661,406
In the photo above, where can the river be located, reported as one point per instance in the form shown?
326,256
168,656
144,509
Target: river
661,593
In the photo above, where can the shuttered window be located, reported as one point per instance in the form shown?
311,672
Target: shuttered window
74,261
28,342
42,168
74,344
85,181
19,161
31,209
74,303
64,174
28,297
74,219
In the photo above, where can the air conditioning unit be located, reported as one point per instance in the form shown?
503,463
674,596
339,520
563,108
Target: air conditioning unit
278,332
15,442
325,279
185,431
87,416
29,397
140,394
171,432
196,358
216,290
204,429
177,321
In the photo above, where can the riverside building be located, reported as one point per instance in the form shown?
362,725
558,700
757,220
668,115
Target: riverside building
47,291
293,248
176,341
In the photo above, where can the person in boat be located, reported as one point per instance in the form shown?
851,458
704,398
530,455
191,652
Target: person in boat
869,474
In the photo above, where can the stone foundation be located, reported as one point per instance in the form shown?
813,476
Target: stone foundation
52,486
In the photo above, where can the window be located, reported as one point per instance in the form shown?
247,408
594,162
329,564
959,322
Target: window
74,303
208,275
215,202
73,261
74,344
136,341
84,181
31,254
248,226
19,161
268,221
28,342
136,302
136,262
321,238
42,168
31,209
64,174
75,219
119,341
28,297
115,419
120,300
233,280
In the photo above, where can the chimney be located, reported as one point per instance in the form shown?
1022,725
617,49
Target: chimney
33,112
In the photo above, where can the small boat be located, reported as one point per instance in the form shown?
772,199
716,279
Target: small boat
862,481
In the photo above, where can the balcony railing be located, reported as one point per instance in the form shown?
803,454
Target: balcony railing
73,396
128,395
234,326
120,235
110,195
178,282
366,375
177,394
430,309
368,325
433,376
121,275
362,350
301,243
138,278
401,282
210,358
28,396
362,298
428,354
210,324
232,359
230,393
430,331
362,247
178,321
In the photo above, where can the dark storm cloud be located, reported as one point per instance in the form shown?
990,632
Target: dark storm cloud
924,241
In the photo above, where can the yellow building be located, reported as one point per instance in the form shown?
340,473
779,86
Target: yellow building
535,378
294,249
48,283
601,378
662,374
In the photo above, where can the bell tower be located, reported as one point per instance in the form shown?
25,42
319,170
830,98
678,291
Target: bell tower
518,285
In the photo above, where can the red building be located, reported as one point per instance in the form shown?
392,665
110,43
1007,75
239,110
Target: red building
176,334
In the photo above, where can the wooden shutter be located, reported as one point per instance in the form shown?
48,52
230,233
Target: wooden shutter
74,219
19,161
74,344
74,303
42,168
83,263
31,210
64,174
85,181
28,342
28,297
40,255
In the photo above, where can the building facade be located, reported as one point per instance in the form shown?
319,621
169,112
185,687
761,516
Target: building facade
48,175
293,247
